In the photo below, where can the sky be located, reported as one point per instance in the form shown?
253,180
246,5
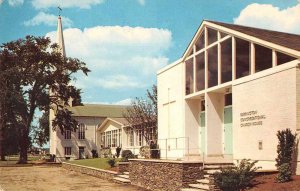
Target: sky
125,42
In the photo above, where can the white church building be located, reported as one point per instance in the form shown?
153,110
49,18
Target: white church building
227,96
90,117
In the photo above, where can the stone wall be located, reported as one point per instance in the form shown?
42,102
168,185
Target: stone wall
123,167
105,174
158,175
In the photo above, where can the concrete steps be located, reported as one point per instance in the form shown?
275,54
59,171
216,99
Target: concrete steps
207,182
122,178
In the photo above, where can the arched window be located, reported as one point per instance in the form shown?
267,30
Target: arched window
81,131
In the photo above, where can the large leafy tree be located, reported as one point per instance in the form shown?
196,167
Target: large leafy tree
142,115
39,69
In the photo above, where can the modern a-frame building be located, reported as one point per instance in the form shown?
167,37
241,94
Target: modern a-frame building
229,94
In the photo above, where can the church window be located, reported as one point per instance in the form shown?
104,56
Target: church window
263,58
189,75
226,60
67,134
283,58
213,66
200,72
212,36
242,58
81,131
200,42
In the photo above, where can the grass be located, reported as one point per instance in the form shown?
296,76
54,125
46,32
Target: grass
100,163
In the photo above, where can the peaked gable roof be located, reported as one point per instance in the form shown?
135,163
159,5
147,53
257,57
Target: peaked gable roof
288,40
120,121
272,38
98,110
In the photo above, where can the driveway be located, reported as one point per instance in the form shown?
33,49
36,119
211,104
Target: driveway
54,178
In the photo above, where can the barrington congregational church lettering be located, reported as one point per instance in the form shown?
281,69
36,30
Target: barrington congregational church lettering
251,118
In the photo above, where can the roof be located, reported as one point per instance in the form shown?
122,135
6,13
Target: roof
98,110
120,120
287,40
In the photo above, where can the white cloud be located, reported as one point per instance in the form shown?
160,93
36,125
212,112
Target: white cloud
47,19
119,57
269,17
83,4
1,1
142,2
123,102
15,3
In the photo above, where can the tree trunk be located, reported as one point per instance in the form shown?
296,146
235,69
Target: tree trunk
24,143
2,154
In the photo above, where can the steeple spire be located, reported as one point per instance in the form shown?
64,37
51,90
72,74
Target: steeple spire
60,37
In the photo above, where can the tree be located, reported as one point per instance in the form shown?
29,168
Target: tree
142,115
41,132
38,69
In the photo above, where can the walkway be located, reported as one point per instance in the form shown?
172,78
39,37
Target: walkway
44,178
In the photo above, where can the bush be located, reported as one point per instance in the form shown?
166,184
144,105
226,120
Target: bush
154,152
126,154
118,150
105,152
284,173
94,153
145,152
237,177
285,147
112,162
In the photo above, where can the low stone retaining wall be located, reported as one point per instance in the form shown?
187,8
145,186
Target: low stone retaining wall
158,175
123,167
105,174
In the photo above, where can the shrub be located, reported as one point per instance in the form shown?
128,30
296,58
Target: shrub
285,147
94,153
118,150
126,154
111,162
145,151
237,177
284,173
105,152
154,152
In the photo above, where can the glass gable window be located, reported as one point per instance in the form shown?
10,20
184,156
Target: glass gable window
223,34
213,66
200,42
283,58
242,58
226,59
263,58
189,77
200,72
212,36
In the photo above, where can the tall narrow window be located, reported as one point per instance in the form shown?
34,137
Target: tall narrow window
212,36
263,58
283,58
242,58
68,150
200,42
226,60
120,138
200,72
139,139
103,140
213,66
189,77
114,138
67,134
81,131
108,138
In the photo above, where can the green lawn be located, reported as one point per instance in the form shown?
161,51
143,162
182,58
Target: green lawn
96,163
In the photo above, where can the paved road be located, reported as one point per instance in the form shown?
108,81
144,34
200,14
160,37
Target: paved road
46,178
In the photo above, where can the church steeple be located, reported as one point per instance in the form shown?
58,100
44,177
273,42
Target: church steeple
60,37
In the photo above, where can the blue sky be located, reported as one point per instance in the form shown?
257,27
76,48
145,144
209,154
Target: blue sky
124,42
